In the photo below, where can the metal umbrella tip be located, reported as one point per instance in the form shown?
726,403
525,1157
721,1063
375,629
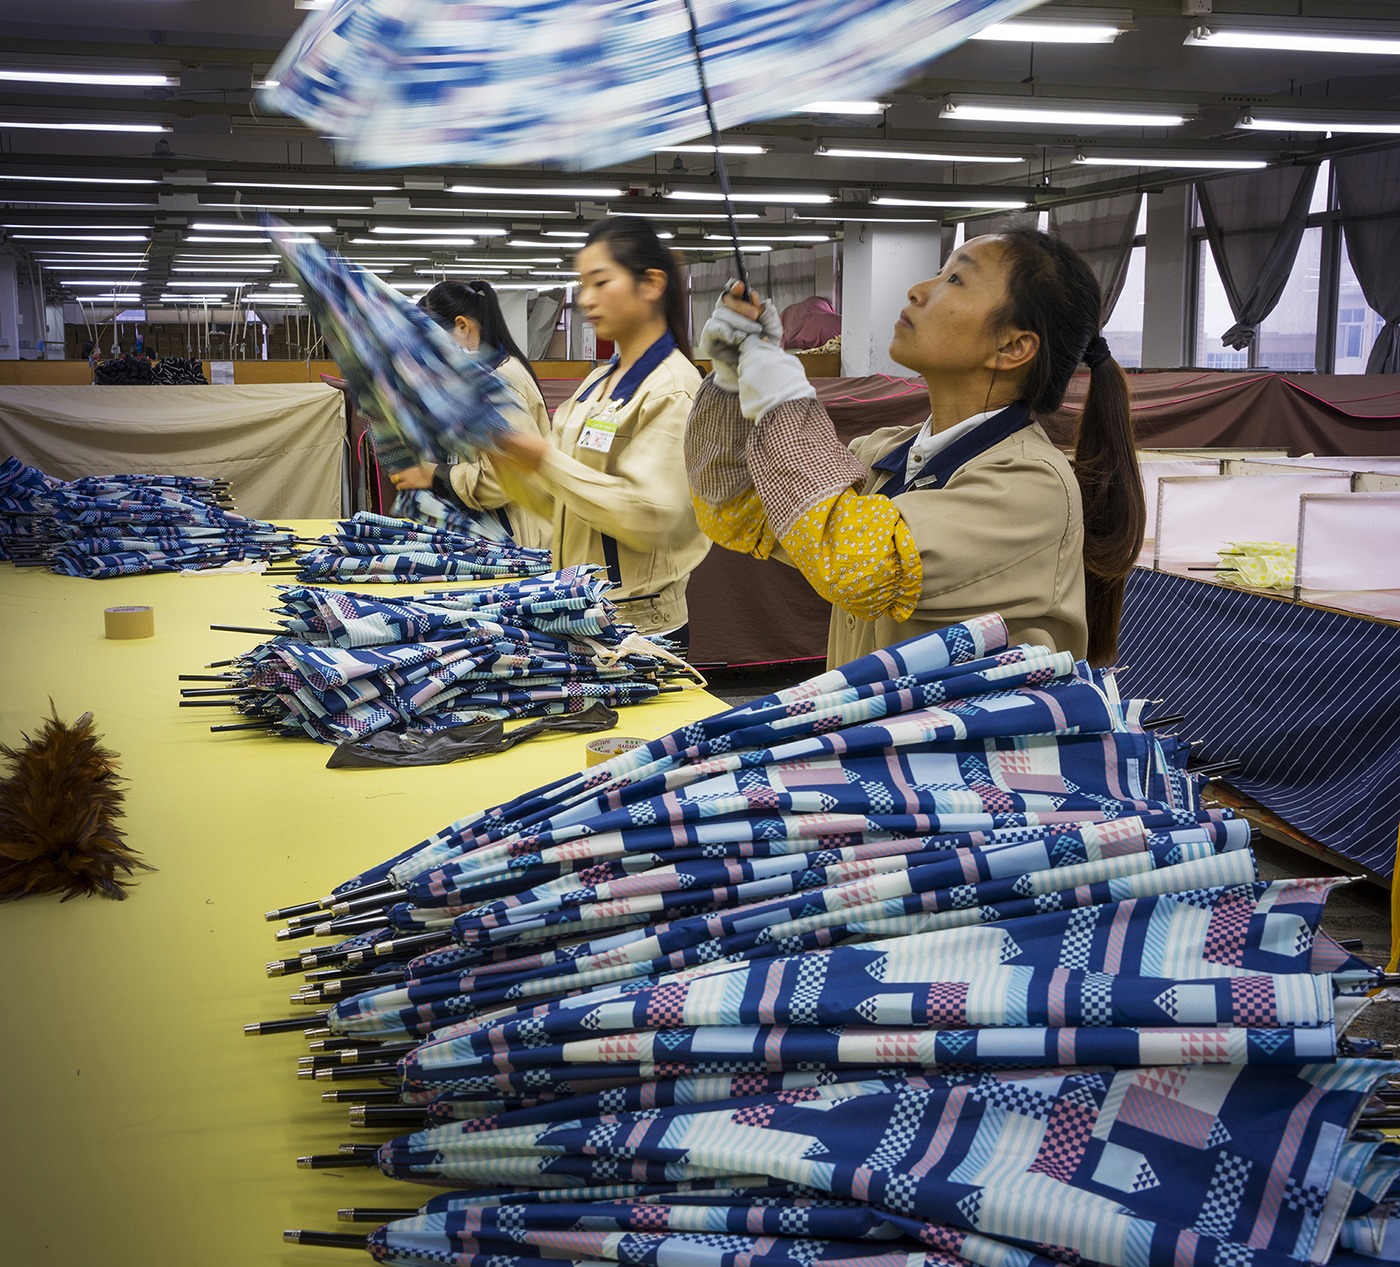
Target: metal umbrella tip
306,1074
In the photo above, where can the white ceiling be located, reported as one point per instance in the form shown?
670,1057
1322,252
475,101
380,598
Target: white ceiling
218,133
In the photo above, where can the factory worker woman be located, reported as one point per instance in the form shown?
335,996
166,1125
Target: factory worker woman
611,476
974,510
471,314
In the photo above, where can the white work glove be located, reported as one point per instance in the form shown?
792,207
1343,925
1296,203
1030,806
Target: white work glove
768,375
719,343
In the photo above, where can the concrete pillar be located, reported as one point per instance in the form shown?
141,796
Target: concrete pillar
1166,324
880,263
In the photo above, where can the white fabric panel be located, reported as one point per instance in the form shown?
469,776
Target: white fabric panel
280,445
1195,517
1348,542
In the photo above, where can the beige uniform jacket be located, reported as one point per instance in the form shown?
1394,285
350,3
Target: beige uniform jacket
634,491
475,480
1005,534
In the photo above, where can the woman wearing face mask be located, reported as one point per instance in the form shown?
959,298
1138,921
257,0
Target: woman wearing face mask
471,314
611,476
975,510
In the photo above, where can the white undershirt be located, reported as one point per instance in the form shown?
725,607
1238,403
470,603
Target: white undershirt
929,443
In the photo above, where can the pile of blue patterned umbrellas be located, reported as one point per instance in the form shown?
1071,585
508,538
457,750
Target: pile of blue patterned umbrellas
934,958
123,525
370,547
344,666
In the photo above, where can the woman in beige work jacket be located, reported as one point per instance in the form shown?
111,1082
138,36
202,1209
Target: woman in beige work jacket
611,477
471,314
975,510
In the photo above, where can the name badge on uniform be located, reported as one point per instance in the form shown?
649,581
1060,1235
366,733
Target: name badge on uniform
598,434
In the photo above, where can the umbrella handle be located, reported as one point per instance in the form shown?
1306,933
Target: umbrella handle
721,172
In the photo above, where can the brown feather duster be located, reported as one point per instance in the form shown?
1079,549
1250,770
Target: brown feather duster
58,811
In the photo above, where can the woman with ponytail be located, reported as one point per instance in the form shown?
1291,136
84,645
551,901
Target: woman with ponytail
973,511
471,314
611,477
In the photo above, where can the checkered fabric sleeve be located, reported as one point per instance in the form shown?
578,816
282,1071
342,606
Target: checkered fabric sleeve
856,551
726,503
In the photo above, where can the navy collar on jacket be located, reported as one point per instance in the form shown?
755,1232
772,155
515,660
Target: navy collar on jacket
627,385
940,467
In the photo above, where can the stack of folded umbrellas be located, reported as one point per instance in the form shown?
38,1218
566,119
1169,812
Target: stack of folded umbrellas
124,525
345,666
934,958
371,547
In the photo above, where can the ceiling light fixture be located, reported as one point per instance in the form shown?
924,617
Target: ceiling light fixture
414,242
1291,35
712,149
1286,119
980,204
81,237
1201,162
44,125
542,191
93,78
83,180
1062,26
325,189
772,237
914,156
748,248
201,227
1062,111
199,237
784,198
844,107
437,230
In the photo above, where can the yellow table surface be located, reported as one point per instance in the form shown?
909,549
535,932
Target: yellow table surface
141,1125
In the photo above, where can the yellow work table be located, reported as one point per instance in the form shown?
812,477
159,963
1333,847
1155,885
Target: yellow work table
142,1127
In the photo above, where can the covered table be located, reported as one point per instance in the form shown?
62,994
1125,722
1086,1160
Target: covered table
144,1127
1306,697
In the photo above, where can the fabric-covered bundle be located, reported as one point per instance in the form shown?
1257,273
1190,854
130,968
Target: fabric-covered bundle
371,547
936,957
352,665
123,525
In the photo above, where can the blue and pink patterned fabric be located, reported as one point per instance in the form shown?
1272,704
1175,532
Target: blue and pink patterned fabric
936,958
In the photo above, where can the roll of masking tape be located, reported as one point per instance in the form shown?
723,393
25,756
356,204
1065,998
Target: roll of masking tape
130,622
599,750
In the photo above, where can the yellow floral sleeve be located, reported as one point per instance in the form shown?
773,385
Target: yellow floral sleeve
739,524
858,553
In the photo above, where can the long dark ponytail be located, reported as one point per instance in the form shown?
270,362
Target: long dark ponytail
633,244
476,301
1052,292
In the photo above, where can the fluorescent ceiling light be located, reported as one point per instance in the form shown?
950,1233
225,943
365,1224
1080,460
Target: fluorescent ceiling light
533,212
476,271
543,191
1062,26
529,242
1286,120
63,228
1166,160
777,199
1295,35
284,286
712,149
190,257
273,297
87,281
411,286
45,126
320,207
257,228
983,204
844,107
532,285
515,261
197,237
913,156
769,237
327,189
114,297
1061,111
403,230
883,219
82,180
564,233
394,260
187,299
81,237
748,248
692,215
90,77
44,202
96,268
232,267
553,272
204,283
413,242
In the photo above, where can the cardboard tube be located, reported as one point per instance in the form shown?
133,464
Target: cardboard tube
130,622
599,750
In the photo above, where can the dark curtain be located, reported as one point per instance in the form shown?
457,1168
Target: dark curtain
1368,191
1255,222
1102,231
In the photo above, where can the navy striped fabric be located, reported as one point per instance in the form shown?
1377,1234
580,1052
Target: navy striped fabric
1307,699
